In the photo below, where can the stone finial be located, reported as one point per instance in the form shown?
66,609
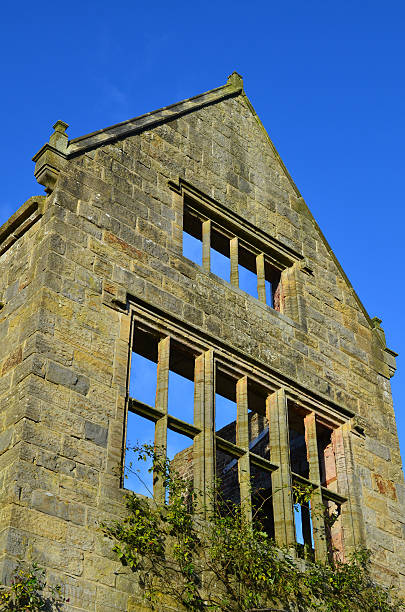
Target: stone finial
51,158
235,80
59,138
376,322
378,330
60,126
388,360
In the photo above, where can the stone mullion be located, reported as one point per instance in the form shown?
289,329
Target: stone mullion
177,226
162,390
317,506
355,489
198,446
261,278
242,440
234,252
206,240
209,428
277,415
292,302
352,518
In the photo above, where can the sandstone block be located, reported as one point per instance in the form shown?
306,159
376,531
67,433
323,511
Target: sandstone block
63,376
96,433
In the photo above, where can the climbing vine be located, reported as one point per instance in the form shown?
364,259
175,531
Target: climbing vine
228,564
29,592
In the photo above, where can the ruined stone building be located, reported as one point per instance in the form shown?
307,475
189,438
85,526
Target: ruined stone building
178,240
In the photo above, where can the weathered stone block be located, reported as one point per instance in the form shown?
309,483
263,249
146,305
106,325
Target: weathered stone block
96,433
63,376
374,446
384,486
5,440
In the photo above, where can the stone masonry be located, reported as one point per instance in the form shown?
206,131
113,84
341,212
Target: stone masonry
107,237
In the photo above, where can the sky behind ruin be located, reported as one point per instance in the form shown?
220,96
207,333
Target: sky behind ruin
325,78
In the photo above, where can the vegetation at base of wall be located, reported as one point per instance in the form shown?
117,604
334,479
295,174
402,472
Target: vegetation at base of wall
226,563
29,592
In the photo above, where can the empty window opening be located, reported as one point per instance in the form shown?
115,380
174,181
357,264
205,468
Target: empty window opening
192,237
258,423
272,283
262,500
326,454
298,447
180,454
226,474
247,272
220,255
143,375
225,406
137,475
303,525
192,248
260,442
181,383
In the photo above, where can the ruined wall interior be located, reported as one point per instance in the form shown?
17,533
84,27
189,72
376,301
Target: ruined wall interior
94,273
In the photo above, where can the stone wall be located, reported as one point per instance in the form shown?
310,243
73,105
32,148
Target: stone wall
112,227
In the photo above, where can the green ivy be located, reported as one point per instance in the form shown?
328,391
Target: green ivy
224,563
29,593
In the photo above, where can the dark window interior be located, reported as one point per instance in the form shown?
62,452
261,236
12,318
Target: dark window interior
298,447
262,504
226,473
326,455
272,284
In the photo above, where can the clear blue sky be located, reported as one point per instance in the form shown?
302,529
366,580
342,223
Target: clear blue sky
326,78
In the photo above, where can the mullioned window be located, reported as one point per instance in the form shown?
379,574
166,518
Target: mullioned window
239,437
